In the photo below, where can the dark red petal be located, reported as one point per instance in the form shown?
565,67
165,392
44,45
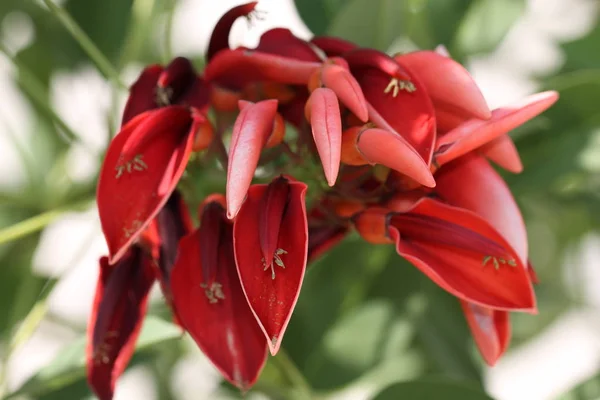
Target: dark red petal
448,83
211,304
250,133
197,95
142,166
272,292
362,59
119,307
142,95
326,124
175,80
503,152
464,255
475,132
490,329
219,39
398,108
234,69
281,41
332,46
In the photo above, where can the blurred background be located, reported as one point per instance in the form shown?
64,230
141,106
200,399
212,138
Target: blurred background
58,109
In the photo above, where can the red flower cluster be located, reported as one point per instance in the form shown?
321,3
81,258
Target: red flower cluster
404,144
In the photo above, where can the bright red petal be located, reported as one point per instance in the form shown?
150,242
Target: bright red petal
326,127
464,255
490,329
142,166
475,132
448,83
503,152
272,293
212,307
119,308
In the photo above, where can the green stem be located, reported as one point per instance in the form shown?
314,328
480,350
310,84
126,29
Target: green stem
35,89
294,375
86,43
36,223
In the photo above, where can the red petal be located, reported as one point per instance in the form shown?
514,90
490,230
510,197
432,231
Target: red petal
503,152
175,80
235,68
388,148
272,297
473,184
281,41
475,132
142,95
346,88
333,46
250,133
448,83
142,166
120,304
490,329
464,255
219,39
326,127
211,304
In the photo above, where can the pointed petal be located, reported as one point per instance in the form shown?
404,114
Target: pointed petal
473,184
448,83
119,308
326,124
332,46
211,304
250,133
140,171
142,94
442,50
475,133
219,39
490,329
346,88
464,255
503,152
235,68
282,42
272,294
389,149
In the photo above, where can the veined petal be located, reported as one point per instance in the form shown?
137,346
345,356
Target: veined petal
235,68
346,88
272,286
252,128
119,308
471,183
392,150
490,329
475,132
464,255
219,39
448,83
326,124
503,152
142,94
140,171
211,304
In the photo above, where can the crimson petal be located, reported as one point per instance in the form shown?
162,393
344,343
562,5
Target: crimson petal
142,166
490,329
142,94
120,304
219,39
211,304
464,255
503,152
273,217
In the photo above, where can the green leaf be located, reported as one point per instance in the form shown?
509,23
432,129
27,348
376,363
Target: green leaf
486,23
317,14
69,365
369,23
426,389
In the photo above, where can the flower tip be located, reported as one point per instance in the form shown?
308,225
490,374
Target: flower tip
274,345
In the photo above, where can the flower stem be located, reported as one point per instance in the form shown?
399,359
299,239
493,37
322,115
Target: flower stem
86,43
294,376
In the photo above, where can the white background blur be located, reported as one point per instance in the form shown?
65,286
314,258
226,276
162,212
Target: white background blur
563,355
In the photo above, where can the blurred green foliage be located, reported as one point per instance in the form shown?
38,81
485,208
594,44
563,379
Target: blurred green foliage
364,315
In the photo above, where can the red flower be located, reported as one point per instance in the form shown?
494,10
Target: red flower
210,301
119,308
490,329
271,240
